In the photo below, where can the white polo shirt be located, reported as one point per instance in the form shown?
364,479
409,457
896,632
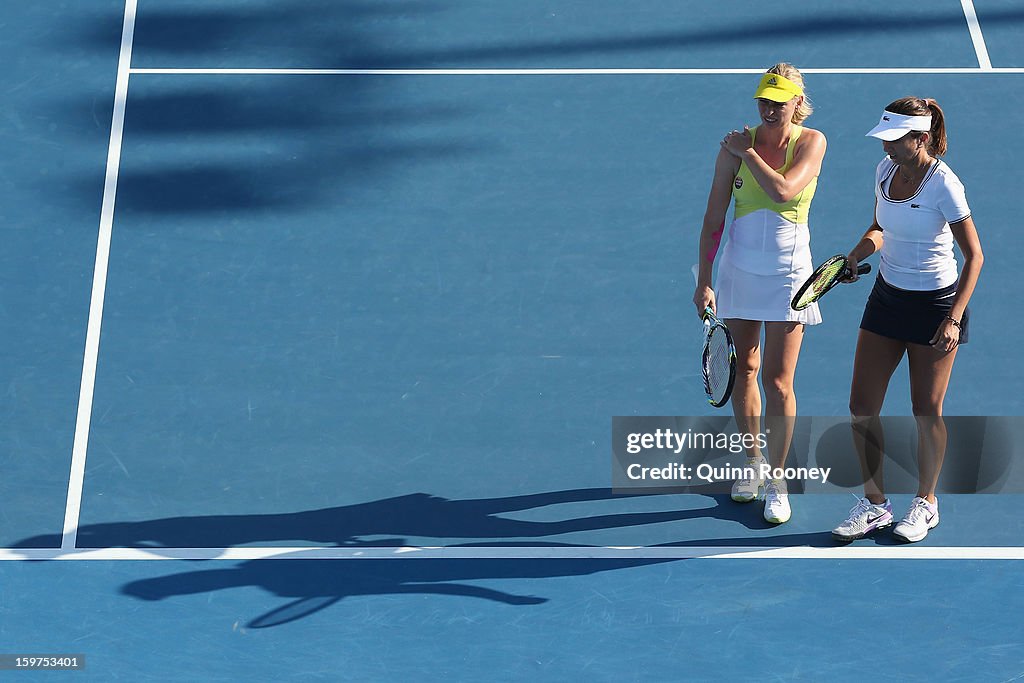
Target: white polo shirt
917,247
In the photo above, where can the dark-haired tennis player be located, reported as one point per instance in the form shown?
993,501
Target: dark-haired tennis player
771,171
917,307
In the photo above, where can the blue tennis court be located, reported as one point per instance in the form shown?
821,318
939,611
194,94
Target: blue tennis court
318,314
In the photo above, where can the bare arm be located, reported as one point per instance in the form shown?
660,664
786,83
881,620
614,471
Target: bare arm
726,167
780,187
966,236
868,245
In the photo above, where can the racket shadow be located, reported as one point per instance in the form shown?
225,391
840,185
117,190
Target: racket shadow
314,585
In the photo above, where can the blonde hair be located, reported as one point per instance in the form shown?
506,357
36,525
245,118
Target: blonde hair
790,72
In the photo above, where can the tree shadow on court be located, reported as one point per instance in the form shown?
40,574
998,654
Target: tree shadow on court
245,143
233,146
826,25
356,34
211,145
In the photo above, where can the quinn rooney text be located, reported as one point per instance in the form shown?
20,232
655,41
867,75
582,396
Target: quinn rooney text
711,474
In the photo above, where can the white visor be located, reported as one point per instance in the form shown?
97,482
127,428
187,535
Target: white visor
894,126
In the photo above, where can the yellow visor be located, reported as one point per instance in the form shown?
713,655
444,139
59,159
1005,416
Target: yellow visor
777,88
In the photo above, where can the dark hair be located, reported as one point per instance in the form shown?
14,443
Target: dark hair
916,106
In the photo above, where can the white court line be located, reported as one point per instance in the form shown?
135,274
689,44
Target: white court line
853,552
563,72
976,35
73,506
68,551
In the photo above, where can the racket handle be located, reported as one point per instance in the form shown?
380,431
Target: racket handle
864,269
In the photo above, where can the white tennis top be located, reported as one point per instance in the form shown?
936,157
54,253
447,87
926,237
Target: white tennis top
917,248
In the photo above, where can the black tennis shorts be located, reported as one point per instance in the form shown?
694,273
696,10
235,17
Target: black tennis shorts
908,315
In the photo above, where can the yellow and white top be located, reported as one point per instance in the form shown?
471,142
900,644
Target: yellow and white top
767,256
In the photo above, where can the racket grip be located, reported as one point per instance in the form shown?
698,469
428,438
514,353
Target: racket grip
864,269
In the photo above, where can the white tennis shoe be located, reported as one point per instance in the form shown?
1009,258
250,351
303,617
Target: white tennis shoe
865,518
776,502
747,489
919,520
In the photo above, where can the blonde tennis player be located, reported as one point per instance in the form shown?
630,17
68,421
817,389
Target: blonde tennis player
771,172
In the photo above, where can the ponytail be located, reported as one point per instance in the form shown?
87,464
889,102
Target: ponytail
915,106
937,145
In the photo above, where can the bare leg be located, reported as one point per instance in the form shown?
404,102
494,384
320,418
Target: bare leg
929,377
782,342
876,359
746,395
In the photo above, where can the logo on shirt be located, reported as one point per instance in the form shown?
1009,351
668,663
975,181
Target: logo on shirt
738,183
915,206
885,118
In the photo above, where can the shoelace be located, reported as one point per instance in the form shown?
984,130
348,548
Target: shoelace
772,494
860,508
753,464
919,508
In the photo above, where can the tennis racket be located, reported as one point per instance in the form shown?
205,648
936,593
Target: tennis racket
827,276
718,360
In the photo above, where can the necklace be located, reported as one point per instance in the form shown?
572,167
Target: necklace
918,171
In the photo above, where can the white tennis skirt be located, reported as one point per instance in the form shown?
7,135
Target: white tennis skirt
764,295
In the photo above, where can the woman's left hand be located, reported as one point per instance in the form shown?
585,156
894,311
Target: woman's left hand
947,336
736,142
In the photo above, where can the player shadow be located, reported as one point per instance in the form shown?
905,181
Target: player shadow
314,585
390,522
310,585
812,539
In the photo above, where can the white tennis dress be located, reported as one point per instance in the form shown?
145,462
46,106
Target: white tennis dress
767,256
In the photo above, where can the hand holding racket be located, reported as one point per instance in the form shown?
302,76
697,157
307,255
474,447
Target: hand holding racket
718,360
825,277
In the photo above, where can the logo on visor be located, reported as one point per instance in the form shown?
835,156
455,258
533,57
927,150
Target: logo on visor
773,81
739,183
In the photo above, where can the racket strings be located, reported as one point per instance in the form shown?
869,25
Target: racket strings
717,364
822,283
